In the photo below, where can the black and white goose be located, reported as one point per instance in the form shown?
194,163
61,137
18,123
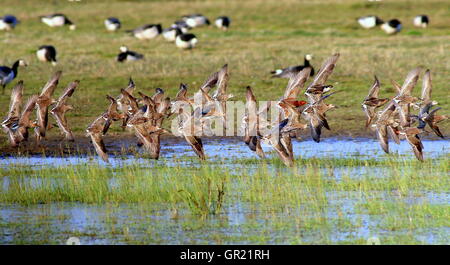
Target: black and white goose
186,41
182,25
112,24
369,22
8,74
170,34
421,21
127,55
47,53
196,20
293,70
8,22
146,32
223,22
58,20
392,26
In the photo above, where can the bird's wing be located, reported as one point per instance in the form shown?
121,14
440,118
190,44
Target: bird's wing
49,87
99,146
383,138
296,83
375,89
62,124
16,100
410,81
325,71
416,145
426,87
210,82
68,92
197,145
26,113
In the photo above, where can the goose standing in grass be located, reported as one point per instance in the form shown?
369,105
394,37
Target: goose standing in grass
391,27
186,41
146,32
47,53
8,22
126,55
196,20
223,22
421,21
170,34
8,74
58,20
369,22
112,24
294,70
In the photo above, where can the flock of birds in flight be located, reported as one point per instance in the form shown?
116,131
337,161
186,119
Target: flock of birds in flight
145,114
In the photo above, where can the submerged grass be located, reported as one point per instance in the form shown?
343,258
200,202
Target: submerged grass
317,201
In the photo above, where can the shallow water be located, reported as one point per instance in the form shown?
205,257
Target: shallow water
231,148
239,222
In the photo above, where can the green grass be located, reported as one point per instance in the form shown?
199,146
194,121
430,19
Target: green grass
264,35
399,200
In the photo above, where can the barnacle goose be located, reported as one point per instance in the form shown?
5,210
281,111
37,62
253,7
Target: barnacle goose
127,55
148,31
8,22
112,24
7,74
223,22
57,20
186,41
47,53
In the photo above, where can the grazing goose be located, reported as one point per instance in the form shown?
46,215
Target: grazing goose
186,41
127,55
369,22
170,34
182,25
112,24
223,22
57,20
393,26
47,53
60,109
293,70
8,74
372,102
8,22
421,21
196,20
146,32
43,102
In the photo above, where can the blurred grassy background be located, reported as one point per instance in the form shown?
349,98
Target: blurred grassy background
264,35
